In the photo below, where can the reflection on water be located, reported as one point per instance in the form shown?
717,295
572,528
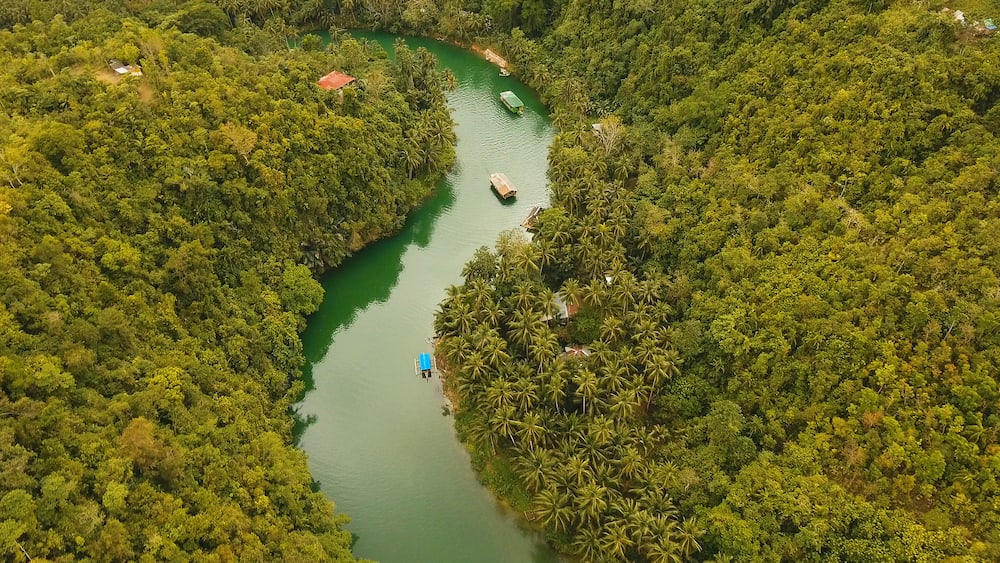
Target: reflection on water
374,433
379,267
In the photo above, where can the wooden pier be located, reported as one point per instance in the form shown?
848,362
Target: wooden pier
529,221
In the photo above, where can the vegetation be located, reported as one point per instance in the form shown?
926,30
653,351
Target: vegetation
156,239
778,249
779,241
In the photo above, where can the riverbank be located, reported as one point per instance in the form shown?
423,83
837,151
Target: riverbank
376,440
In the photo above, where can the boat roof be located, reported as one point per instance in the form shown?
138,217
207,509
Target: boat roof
502,184
511,99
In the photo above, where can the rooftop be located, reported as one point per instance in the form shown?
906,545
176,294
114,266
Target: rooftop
335,81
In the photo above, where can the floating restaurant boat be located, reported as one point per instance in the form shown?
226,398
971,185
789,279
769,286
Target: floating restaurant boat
512,102
502,185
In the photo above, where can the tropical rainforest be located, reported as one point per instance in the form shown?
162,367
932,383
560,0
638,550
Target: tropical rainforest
159,236
757,323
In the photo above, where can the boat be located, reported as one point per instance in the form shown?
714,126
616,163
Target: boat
424,365
504,72
512,102
502,185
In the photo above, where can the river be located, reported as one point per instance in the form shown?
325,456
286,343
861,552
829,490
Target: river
378,442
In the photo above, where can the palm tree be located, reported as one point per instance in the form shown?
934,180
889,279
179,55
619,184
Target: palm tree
664,550
462,317
591,500
503,422
615,540
623,288
413,157
524,296
614,376
688,537
630,462
490,314
601,354
475,366
532,430
547,301
536,466
555,388
554,508
494,348
587,544
624,404
612,329
525,393
544,349
586,386
594,292
524,324
576,470
572,292
480,433
500,393
546,253
600,431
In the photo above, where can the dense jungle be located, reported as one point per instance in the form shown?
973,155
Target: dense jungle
758,321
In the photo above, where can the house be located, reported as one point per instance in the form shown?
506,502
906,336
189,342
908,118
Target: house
122,68
335,81
564,311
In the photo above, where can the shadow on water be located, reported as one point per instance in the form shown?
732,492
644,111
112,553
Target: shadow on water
380,264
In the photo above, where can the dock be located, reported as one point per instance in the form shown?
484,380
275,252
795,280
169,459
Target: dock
529,221
502,185
512,102
495,58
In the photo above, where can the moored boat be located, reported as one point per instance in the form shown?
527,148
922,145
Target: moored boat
512,102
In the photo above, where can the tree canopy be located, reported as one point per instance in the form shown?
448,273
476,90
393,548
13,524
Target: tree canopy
159,236
777,249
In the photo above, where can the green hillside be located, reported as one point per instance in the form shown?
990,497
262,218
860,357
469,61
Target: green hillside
156,239
781,240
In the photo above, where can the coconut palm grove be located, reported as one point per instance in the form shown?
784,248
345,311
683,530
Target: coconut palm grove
759,319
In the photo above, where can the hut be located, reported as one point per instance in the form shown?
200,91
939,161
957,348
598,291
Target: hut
335,81
123,69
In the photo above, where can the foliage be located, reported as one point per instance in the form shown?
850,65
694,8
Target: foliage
156,239
781,237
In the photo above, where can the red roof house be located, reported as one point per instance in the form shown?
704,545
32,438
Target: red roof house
335,81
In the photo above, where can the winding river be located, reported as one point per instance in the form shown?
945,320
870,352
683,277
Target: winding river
377,439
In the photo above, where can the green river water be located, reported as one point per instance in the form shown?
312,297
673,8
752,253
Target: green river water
377,440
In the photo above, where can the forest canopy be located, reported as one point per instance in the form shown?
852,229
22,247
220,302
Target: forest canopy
159,236
773,235
776,253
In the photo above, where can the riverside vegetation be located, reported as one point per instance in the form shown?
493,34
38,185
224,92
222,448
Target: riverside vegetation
158,240
781,249
781,243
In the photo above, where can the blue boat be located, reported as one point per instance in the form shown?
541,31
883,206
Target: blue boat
425,365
